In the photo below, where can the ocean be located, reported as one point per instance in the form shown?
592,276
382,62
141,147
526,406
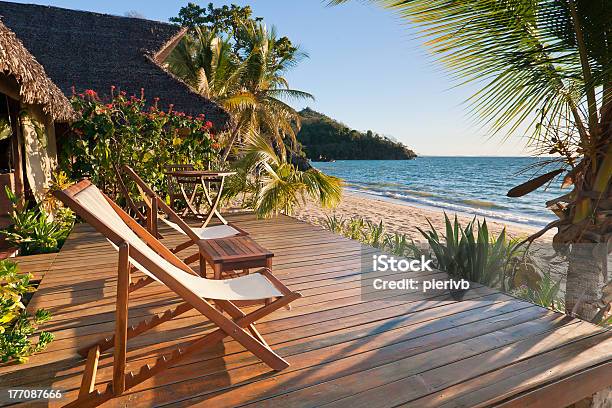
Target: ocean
469,185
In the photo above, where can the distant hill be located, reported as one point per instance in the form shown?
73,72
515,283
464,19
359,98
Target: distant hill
325,139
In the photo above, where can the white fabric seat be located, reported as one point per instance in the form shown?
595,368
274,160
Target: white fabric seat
250,287
213,232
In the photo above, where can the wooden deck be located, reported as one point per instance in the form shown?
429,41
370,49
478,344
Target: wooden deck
486,350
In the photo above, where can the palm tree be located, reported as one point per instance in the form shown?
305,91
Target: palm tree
250,84
544,65
270,184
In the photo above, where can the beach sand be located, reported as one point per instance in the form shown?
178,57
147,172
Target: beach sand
402,218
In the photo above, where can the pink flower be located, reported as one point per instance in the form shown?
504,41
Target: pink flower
141,93
170,108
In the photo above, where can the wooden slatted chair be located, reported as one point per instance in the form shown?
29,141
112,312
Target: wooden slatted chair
154,203
139,250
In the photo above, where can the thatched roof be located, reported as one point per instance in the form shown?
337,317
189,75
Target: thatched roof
95,51
34,86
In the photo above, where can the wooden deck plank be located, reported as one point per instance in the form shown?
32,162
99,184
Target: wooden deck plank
343,350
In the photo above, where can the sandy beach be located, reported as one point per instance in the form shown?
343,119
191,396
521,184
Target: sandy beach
400,217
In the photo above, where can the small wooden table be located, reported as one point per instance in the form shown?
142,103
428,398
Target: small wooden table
239,252
204,178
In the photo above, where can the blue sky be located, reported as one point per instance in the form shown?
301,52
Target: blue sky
366,68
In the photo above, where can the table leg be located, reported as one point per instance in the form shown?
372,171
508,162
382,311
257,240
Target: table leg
214,205
217,268
188,201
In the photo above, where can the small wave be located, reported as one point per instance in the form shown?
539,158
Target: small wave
419,193
483,204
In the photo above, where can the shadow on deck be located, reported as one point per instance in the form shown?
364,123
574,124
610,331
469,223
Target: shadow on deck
344,351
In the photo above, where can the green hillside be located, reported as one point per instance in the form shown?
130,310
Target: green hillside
325,139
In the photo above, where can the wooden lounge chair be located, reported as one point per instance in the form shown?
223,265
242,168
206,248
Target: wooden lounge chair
154,203
140,250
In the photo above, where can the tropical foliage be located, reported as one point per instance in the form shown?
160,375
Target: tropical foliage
546,293
375,235
471,252
544,66
326,139
271,184
17,327
33,229
234,59
124,131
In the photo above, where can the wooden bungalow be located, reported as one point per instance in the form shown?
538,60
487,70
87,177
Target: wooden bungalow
30,106
83,50
47,53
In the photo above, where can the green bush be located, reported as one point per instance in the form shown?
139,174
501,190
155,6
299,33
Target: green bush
373,234
17,327
33,230
545,293
124,131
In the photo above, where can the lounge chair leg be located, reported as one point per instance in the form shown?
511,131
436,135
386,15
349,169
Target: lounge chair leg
121,325
89,375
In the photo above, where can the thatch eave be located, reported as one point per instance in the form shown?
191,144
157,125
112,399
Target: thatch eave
33,85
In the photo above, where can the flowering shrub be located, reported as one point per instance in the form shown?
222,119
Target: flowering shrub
125,130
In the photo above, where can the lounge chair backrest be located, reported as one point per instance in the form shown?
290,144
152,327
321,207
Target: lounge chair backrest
146,190
109,219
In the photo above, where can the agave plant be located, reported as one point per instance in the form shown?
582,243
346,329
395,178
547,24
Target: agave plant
334,223
471,254
543,66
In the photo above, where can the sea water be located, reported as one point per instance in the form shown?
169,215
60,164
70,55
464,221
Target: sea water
469,185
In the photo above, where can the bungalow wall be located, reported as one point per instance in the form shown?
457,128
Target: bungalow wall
28,150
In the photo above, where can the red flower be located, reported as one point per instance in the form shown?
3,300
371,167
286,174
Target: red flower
110,105
91,93
208,124
215,145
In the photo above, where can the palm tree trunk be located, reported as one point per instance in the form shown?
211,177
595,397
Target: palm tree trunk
586,277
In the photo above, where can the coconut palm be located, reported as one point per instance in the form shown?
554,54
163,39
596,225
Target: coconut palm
250,84
543,65
271,184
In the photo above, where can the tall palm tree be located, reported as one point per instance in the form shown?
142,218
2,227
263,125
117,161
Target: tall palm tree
250,84
544,65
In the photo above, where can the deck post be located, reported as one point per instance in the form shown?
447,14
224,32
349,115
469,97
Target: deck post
121,326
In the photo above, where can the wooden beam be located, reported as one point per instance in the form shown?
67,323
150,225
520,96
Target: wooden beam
121,327
89,376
